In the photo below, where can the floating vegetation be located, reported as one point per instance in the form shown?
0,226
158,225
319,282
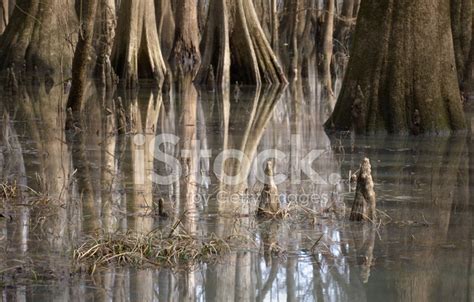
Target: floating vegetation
155,248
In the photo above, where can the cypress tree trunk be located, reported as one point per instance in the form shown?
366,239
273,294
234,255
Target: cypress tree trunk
82,56
461,22
166,25
39,35
137,52
401,76
105,40
234,34
186,58
327,48
4,14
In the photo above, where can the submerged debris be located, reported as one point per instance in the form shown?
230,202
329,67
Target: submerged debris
364,201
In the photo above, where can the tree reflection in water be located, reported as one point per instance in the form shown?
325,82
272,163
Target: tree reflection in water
93,180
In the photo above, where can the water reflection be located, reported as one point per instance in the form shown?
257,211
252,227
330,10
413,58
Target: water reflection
94,180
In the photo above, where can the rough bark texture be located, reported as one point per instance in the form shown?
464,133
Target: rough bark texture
327,48
461,22
269,203
345,22
235,43
364,202
105,30
186,58
137,53
166,25
82,56
40,36
401,76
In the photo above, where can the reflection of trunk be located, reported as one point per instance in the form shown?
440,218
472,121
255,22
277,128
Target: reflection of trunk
233,30
364,247
137,53
40,34
53,162
436,205
190,163
81,161
108,172
400,81
244,290
260,113
143,120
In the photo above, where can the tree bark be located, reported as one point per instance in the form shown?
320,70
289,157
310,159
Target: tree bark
327,47
364,201
82,57
40,36
186,58
461,22
166,25
234,32
5,14
401,76
106,34
136,52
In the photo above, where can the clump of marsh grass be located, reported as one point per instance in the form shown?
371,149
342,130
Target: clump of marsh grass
8,190
155,248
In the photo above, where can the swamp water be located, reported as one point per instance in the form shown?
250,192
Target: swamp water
61,189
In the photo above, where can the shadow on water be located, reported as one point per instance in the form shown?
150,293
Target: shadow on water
95,181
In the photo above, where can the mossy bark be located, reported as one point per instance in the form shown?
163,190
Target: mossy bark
136,52
235,44
401,76
40,36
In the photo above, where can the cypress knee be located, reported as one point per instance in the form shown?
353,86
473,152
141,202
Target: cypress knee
269,203
364,202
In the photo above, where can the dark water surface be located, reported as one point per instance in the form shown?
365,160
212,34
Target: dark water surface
72,186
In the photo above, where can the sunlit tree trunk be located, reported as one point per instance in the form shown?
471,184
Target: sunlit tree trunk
6,6
166,25
137,52
234,31
401,81
40,35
